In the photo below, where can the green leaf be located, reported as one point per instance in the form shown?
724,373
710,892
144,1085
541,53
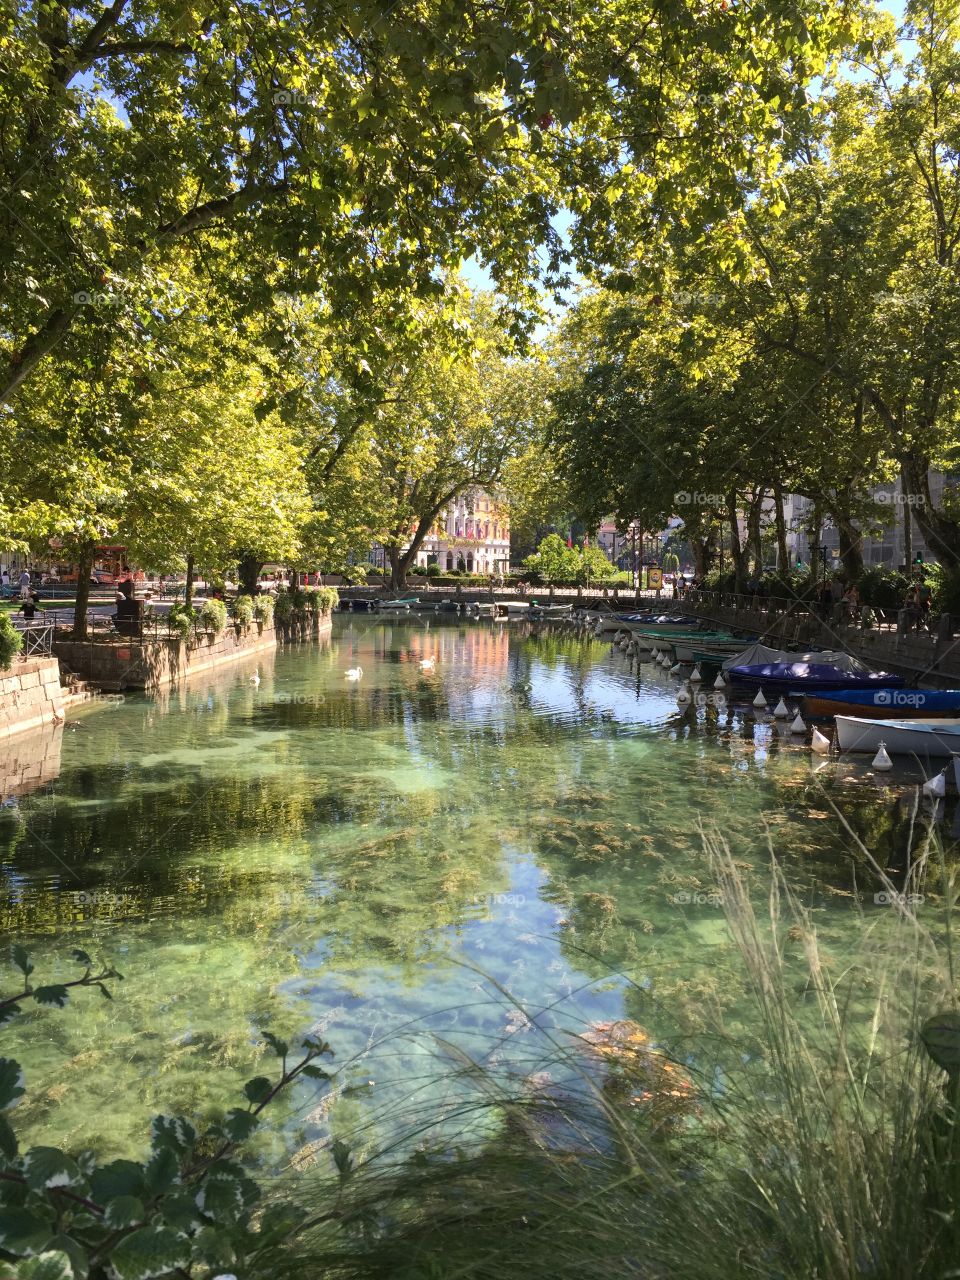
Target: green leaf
152,1251
8,1140
19,957
49,1265
258,1089
48,1167
58,995
239,1124
124,1211
180,1211
161,1170
222,1198
81,956
280,1047
11,1083
119,1178
7,1012
23,1232
174,1132
315,1073
76,1254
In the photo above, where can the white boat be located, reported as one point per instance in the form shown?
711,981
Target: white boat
516,608
551,610
901,737
482,609
397,606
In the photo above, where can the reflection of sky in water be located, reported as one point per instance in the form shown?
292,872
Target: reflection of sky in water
415,863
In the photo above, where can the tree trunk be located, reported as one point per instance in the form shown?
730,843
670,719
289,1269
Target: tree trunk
737,551
84,568
941,534
814,530
851,546
783,556
398,568
188,589
249,566
754,538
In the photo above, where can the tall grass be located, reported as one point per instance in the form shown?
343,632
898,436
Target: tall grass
824,1148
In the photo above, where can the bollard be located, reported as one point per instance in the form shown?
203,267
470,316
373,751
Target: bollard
944,628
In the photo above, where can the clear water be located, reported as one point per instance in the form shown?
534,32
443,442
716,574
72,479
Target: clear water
413,864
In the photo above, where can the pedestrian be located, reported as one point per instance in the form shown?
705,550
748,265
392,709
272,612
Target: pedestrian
851,603
925,599
25,585
29,607
911,607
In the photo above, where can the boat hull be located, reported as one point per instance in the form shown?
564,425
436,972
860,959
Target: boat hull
923,738
801,678
882,704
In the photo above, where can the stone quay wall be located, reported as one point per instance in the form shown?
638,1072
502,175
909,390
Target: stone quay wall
30,696
122,663
29,760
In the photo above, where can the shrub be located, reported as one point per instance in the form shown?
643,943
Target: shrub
181,619
213,615
327,599
882,588
434,570
299,598
11,642
946,588
283,607
241,610
263,608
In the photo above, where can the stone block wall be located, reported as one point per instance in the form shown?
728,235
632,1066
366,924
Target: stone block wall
29,761
30,696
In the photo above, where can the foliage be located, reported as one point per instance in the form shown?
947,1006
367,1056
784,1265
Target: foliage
189,1208
323,600
213,616
945,581
242,610
434,570
181,618
263,606
882,588
11,641
554,561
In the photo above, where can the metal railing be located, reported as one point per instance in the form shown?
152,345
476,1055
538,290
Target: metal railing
37,639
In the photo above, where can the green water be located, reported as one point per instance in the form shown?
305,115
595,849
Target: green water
385,861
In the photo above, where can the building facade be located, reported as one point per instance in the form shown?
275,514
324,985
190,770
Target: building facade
472,535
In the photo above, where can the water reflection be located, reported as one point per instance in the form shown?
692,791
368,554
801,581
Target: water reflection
310,851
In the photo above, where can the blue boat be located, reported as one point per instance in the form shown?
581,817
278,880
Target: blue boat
809,677
890,701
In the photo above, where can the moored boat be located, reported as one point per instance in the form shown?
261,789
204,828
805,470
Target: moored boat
882,704
807,677
900,737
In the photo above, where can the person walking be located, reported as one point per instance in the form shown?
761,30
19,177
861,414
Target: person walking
25,585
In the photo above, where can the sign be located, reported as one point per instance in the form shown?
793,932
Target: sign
654,579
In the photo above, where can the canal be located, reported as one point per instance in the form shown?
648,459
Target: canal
429,865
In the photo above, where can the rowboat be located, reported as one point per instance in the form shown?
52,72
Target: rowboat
551,610
482,609
881,704
758,652
900,737
805,677
517,608
401,606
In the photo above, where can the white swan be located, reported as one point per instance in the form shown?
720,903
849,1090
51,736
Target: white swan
353,673
426,664
255,678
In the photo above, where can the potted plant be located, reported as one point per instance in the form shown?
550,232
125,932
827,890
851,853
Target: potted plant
213,616
180,621
241,611
263,611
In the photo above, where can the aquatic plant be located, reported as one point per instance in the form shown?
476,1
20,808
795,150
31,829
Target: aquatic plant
824,1142
190,1208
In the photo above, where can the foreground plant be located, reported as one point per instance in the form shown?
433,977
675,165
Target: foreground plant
190,1209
